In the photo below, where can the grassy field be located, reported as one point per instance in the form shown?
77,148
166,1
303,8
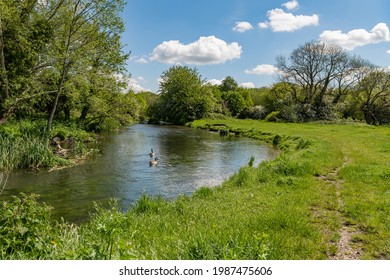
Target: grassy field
337,187
326,196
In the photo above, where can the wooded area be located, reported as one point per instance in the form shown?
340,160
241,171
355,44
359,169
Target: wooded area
64,59
315,82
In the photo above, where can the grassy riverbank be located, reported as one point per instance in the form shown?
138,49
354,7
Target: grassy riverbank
326,196
26,144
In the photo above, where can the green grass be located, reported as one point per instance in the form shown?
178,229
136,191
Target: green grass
287,208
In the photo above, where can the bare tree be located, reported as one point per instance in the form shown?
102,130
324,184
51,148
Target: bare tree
315,67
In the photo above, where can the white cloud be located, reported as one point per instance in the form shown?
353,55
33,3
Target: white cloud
388,51
214,82
280,21
247,85
357,37
263,25
131,83
135,86
207,50
242,26
263,69
291,5
139,59
142,60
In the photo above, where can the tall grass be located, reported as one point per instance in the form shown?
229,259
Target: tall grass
27,152
26,144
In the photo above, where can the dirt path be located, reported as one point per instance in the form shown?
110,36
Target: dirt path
344,249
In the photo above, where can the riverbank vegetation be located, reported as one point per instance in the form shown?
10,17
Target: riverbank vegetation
329,184
315,82
62,78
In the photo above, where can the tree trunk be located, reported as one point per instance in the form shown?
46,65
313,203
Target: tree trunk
3,71
58,94
67,113
84,113
369,115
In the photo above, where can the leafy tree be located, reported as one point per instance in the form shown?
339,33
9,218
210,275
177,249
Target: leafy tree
373,91
258,94
61,58
228,84
87,39
145,100
24,31
183,96
234,102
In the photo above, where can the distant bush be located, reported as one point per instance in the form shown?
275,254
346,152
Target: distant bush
256,113
272,117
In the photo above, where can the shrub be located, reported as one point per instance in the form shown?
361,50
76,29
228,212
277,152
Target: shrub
25,226
256,113
272,117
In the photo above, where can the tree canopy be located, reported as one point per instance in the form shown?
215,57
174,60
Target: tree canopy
183,96
62,58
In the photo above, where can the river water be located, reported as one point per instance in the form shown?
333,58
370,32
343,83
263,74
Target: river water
187,159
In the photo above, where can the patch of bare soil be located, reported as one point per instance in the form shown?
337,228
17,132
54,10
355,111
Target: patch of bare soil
345,250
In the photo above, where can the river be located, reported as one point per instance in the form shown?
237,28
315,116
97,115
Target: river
187,159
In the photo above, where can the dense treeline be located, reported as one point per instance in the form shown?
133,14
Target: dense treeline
62,78
316,82
64,60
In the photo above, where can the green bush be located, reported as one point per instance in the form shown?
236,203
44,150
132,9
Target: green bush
272,117
25,227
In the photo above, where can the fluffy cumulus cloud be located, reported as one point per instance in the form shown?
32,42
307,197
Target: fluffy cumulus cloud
263,69
129,83
292,5
388,51
139,59
247,85
207,50
242,26
280,21
357,37
142,60
214,82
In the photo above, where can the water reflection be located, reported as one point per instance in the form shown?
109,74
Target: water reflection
188,159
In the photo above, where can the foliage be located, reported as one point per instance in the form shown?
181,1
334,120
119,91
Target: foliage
228,84
272,117
373,92
235,103
27,152
183,96
256,113
25,144
145,100
317,77
62,59
25,227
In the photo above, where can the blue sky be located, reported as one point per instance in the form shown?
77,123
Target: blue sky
241,38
